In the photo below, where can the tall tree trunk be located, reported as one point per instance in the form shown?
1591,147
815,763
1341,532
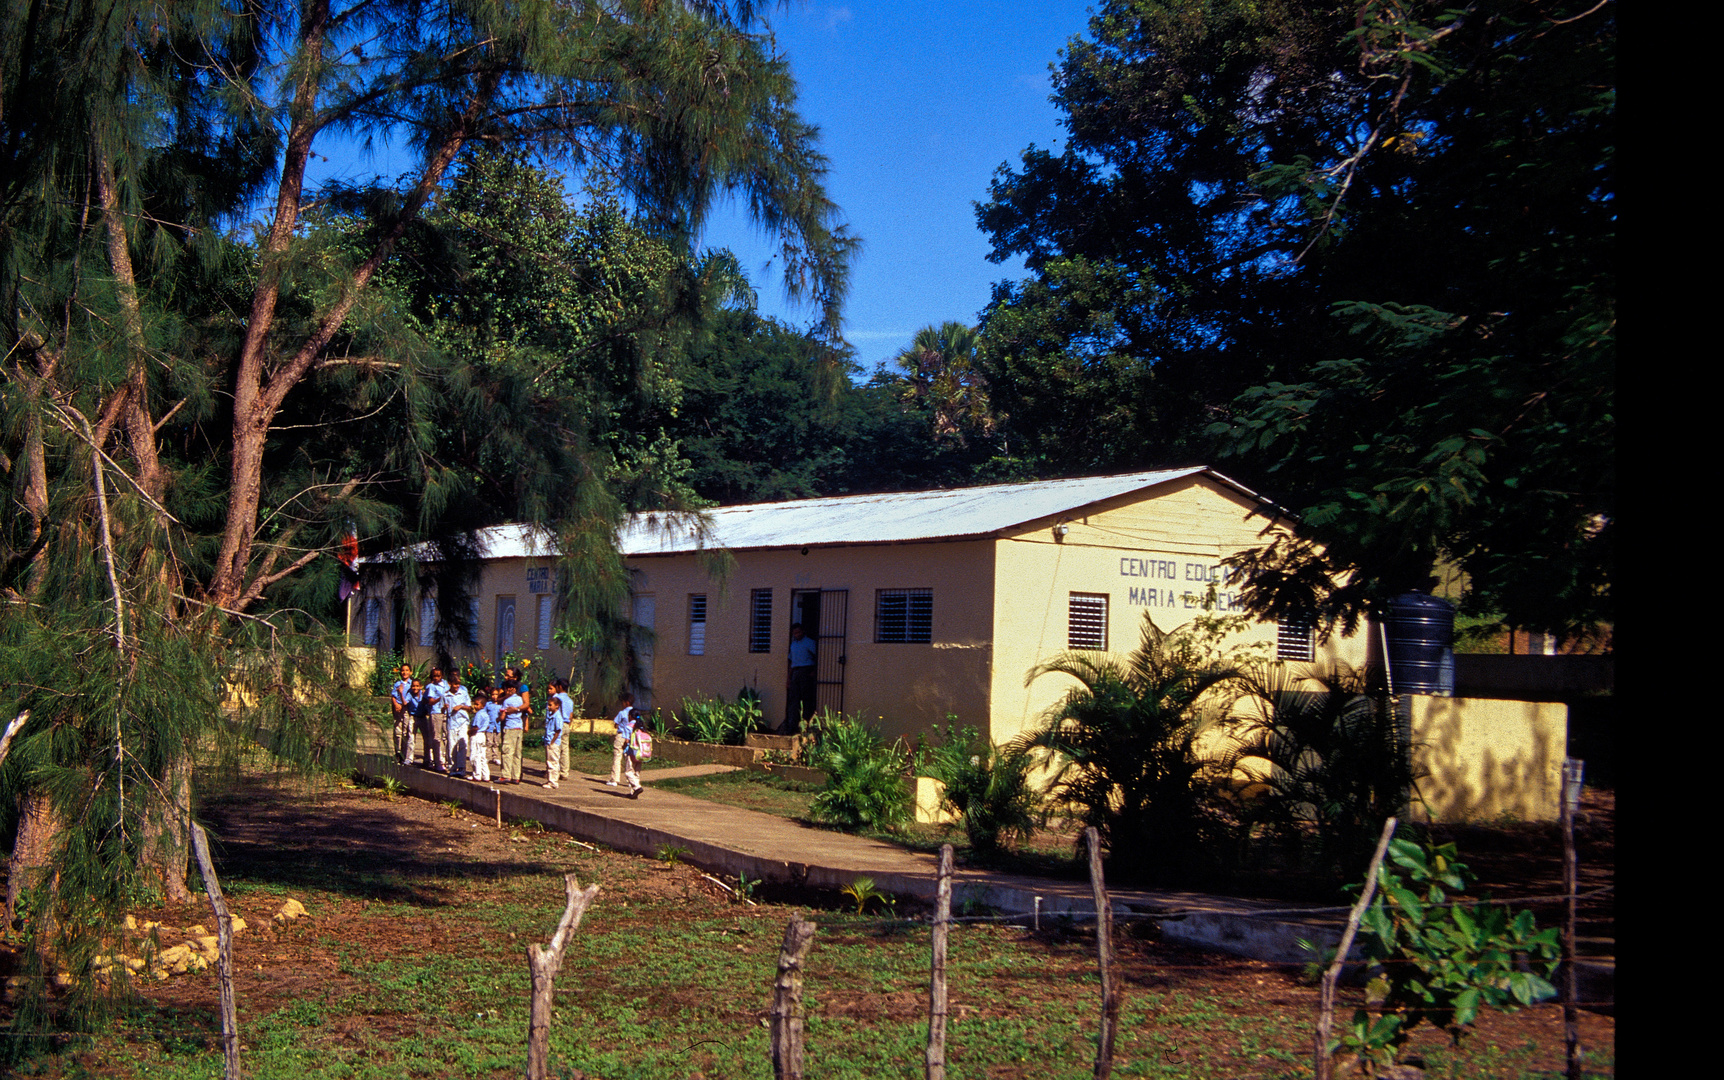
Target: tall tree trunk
32,851
166,847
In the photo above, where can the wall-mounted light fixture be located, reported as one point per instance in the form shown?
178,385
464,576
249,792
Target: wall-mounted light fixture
1060,531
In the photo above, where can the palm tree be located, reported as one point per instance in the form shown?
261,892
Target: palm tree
941,375
1121,744
1333,762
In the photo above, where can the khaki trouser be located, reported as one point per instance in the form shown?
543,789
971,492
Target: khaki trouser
512,754
623,763
403,735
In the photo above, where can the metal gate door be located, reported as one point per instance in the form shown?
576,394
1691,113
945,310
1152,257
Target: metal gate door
830,659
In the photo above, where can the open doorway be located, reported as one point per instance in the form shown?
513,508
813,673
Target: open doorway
823,615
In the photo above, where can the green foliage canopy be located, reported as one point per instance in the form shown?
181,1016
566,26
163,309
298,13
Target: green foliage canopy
1365,250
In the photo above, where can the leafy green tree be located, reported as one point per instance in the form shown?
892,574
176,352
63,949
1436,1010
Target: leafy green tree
766,412
942,382
191,422
1365,249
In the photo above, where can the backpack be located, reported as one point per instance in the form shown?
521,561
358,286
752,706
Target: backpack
641,744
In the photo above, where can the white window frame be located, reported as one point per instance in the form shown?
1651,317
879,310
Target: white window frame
1087,621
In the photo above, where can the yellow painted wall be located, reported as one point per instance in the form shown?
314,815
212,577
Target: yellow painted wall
1154,553
1486,758
912,686
500,577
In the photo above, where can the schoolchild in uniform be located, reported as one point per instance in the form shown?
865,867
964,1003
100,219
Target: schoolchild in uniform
514,729
558,712
436,733
623,764
487,725
458,708
401,715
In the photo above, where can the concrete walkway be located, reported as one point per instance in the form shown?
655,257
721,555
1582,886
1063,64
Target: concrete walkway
727,840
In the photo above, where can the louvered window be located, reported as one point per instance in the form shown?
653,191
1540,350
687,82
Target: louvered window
1293,639
427,619
473,623
544,622
697,624
373,621
760,620
904,616
1086,622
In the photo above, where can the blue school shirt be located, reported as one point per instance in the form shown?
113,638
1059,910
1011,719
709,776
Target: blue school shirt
454,699
401,689
557,715
515,721
489,718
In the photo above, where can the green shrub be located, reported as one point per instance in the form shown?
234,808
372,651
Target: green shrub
988,786
384,672
1121,743
714,720
1440,962
865,774
1335,762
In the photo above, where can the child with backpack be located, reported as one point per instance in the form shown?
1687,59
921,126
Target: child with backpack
623,758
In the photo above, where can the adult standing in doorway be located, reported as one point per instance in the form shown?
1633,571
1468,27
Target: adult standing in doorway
803,683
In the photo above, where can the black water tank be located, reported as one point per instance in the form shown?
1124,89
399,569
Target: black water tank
1421,633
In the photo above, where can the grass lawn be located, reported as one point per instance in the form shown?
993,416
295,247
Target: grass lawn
412,964
1050,853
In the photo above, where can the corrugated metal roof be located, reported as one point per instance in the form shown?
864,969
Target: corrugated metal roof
898,517
893,518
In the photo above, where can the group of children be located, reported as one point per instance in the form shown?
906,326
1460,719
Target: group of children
459,729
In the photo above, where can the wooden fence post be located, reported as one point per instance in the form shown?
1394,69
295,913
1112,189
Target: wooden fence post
544,962
787,1000
937,967
224,955
1104,955
1326,1000
1572,771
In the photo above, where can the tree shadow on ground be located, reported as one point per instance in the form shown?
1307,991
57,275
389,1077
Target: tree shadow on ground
357,846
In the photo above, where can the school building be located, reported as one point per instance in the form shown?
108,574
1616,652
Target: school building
921,604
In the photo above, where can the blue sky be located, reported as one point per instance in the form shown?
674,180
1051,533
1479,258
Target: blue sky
918,104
